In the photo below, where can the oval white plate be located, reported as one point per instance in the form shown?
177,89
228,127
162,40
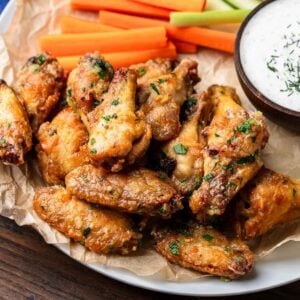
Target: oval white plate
279,268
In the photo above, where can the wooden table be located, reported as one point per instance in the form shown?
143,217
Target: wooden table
31,269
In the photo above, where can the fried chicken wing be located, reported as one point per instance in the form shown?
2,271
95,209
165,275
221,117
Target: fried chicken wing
187,148
138,191
203,249
166,93
88,82
98,229
147,71
15,131
39,85
235,139
118,133
268,200
62,146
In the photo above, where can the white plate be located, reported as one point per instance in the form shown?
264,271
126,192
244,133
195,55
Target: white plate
279,268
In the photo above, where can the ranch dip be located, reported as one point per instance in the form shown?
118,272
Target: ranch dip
270,52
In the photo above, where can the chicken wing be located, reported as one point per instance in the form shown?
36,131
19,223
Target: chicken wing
39,85
88,82
187,149
147,71
138,191
233,154
118,134
15,131
268,200
62,146
100,230
203,249
166,94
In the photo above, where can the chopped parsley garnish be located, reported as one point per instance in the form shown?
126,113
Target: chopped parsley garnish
207,237
191,102
154,88
8,125
109,117
92,84
162,175
197,183
245,127
180,149
162,80
93,141
86,232
231,140
246,160
41,58
183,229
231,184
2,141
217,135
93,151
37,69
182,180
96,103
142,71
161,210
69,92
225,279
208,177
174,248
83,89
115,102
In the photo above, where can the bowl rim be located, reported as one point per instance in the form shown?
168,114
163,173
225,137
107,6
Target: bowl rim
242,74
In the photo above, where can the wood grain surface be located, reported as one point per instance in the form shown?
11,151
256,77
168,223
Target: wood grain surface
31,269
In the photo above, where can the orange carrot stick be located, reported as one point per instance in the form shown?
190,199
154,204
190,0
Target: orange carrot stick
124,40
74,25
188,5
214,39
124,59
183,47
124,6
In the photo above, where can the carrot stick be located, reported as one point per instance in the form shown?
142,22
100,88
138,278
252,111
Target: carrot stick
124,59
74,25
124,6
124,40
188,5
183,47
214,39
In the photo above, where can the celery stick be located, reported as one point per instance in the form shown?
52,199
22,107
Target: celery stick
217,5
243,4
208,17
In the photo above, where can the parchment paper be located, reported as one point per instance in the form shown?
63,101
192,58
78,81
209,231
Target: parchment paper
17,185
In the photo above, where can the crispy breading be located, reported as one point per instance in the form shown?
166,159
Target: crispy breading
203,249
98,229
62,146
39,85
15,131
138,191
270,199
235,140
119,134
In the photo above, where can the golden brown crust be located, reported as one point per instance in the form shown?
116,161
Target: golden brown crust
268,200
138,191
39,85
62,146
88,82
203,249
115,127
100,230
15,131
233,154
163,96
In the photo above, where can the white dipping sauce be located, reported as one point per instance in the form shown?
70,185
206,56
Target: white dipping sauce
270,52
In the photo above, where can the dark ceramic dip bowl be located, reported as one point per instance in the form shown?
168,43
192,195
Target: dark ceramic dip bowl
285,117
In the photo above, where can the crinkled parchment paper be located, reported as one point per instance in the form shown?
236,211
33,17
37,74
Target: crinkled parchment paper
35,17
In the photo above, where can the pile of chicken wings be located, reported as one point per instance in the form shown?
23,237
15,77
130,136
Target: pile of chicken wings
137,152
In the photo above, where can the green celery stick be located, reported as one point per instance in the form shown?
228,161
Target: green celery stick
243,4
217,5
208,17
